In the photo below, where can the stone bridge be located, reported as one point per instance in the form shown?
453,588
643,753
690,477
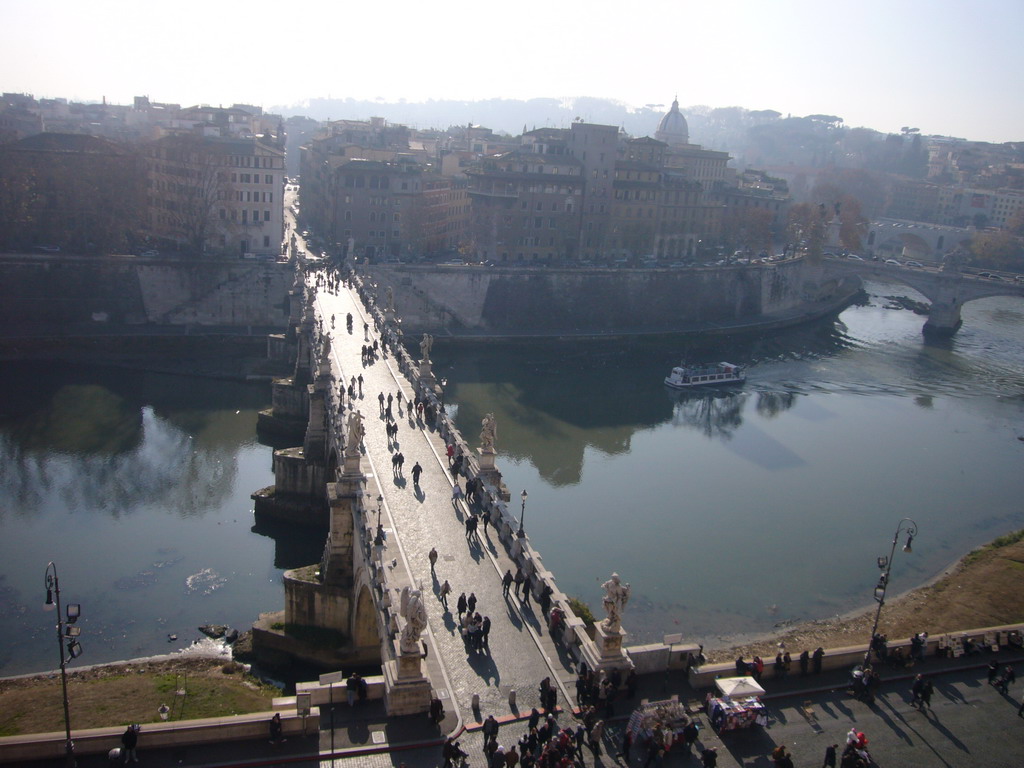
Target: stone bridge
947,288
348,608
927,241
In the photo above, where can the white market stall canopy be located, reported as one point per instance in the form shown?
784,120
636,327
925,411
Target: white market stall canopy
739,687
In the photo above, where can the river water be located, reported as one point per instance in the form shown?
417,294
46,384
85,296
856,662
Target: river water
728,512
137,486
734,512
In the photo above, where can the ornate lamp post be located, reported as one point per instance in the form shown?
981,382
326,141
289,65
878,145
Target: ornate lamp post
522,514
65,631
379,539
885,565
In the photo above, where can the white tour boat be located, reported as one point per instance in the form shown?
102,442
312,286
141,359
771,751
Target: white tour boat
686,376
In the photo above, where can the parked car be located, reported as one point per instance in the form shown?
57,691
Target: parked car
855,256
893,261
913,264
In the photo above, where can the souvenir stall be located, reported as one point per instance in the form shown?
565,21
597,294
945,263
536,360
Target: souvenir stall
737,705
668,716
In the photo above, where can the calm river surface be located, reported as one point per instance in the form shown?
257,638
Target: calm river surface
137,485
728,512
731,512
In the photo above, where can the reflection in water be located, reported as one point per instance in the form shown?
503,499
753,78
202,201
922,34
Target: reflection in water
731,511
138,486
164,467
713,413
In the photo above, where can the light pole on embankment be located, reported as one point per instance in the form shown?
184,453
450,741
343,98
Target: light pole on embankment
65,630
521,533
885,565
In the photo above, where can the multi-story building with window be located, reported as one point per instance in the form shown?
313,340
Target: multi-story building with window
209,194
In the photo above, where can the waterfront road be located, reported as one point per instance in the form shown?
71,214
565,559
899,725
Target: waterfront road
970,725
416,518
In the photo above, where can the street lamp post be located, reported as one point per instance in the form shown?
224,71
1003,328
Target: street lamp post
379,539
522,515
885,565
65,631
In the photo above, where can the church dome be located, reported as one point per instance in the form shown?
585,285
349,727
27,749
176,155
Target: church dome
673,128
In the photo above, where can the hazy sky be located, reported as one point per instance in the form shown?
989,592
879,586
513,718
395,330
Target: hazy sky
952,67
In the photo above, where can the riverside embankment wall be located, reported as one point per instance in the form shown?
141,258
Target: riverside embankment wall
555,301
57,295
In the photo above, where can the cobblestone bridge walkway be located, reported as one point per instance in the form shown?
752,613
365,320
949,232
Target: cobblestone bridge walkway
520,652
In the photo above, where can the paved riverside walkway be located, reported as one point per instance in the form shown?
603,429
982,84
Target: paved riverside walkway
971,725
520,652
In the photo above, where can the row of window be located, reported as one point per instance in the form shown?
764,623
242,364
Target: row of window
234,215
252,178
248,161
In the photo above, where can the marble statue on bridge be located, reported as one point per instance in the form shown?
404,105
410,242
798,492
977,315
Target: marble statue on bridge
488,432
425,345
616,595
415,615
391,299
356,432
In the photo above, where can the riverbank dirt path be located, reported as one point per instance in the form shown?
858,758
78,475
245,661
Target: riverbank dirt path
983,589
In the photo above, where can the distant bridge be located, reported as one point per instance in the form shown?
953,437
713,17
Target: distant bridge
947,288
927,241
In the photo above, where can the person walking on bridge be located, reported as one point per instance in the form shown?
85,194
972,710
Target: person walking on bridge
417,470
506,582
380,399
460,606
433,558
442,595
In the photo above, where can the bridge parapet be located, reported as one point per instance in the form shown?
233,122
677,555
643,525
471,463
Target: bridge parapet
574,635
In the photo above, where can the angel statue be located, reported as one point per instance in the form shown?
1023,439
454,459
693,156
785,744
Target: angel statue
391,299
616,595
425,344
415,615
356,432
488,432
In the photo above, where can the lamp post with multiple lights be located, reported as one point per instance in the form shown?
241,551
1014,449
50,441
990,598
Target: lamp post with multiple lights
66,631
885,565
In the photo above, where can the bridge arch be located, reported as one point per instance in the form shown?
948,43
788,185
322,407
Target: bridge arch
915,238
364,630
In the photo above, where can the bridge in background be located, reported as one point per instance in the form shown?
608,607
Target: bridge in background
927,241
947,287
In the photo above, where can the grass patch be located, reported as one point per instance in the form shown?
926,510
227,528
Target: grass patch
997,543
99,698
309,573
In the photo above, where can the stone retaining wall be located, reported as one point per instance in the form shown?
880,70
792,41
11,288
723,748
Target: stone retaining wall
99,741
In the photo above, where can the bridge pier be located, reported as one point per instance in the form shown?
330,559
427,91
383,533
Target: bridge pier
302,473
943,319
944,315
281,347
289,410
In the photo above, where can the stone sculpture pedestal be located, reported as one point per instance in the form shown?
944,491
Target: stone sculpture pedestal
490,474
389,316
426,375
351,470
406,689
606,651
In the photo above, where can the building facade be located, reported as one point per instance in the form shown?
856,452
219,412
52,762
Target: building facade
216,195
